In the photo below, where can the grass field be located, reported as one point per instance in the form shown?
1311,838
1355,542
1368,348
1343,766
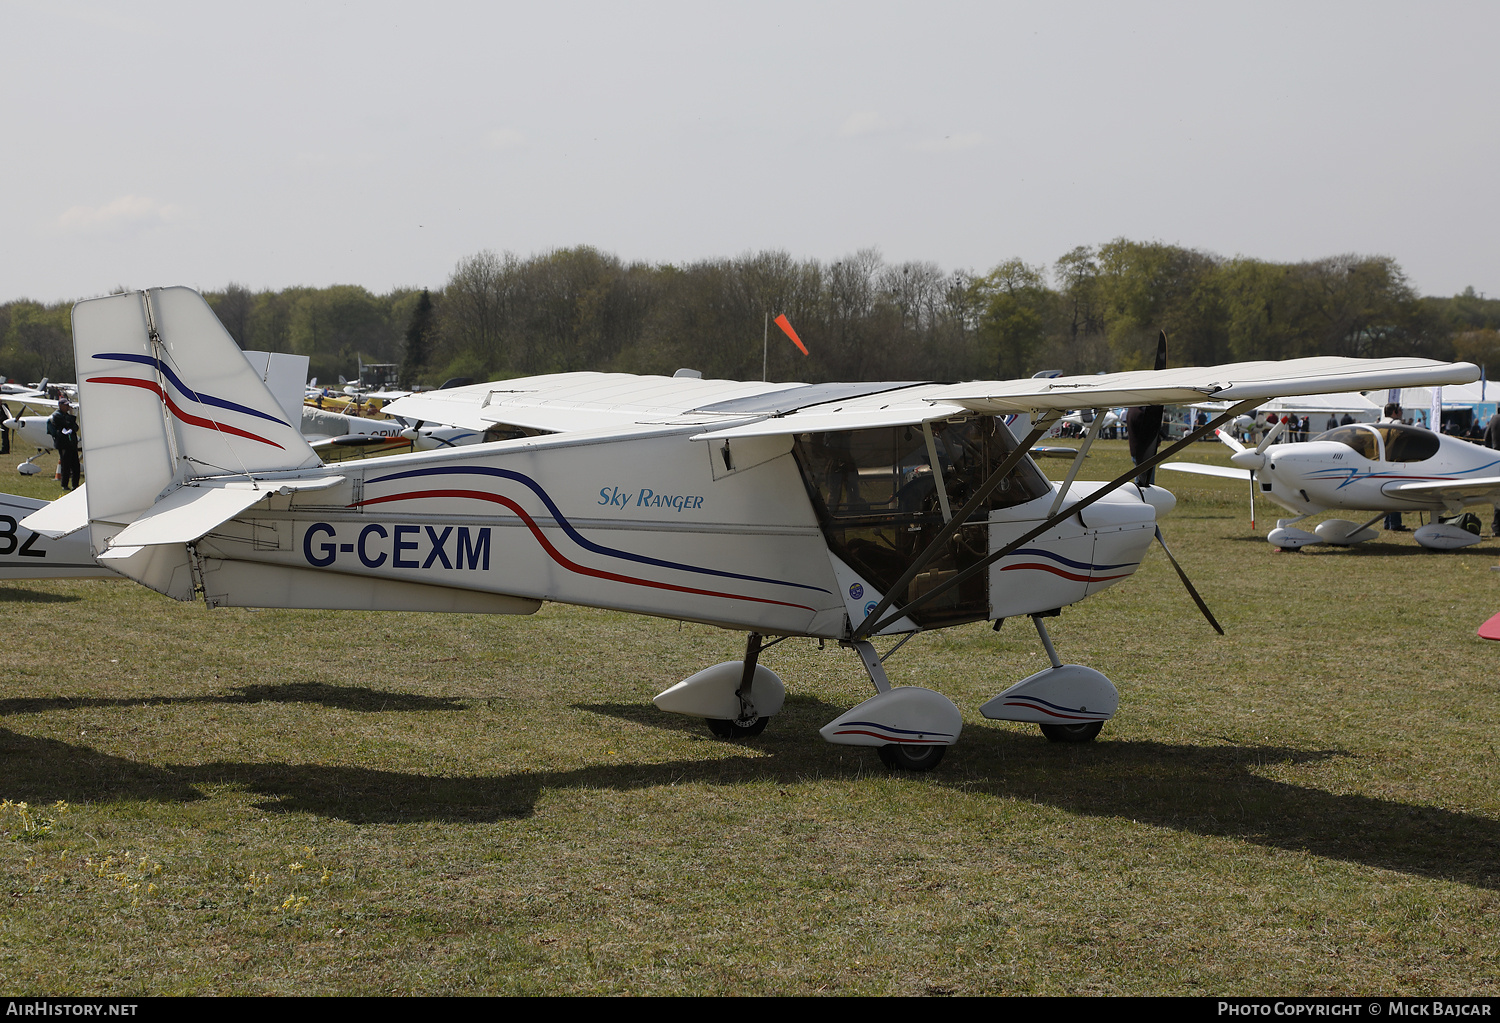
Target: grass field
293,802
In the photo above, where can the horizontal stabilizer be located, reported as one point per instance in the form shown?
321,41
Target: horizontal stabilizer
189,512
60,518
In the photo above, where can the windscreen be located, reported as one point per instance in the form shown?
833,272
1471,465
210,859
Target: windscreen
876,497
1360,438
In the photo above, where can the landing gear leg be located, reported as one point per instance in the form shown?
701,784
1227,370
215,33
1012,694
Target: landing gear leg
1068,701
1086,732
910,727
749,723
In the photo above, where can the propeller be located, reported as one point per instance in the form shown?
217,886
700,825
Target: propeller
1143,423
1143,433
1253,459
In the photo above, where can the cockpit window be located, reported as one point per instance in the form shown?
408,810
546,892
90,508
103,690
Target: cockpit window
1361,438
1408,443
876,498
1401,443
886,471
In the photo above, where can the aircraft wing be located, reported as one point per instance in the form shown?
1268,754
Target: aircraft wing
1469,491
570,402
20,404
1233,382
905,413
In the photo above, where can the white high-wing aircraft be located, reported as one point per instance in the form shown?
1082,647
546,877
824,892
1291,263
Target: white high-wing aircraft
838,511
334,430
1380,467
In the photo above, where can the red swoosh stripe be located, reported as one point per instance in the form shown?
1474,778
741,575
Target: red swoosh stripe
887,738
191,420
1066,575
556,555
1048,710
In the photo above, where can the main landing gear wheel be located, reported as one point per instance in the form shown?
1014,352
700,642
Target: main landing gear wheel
726,729
909,757
1072,733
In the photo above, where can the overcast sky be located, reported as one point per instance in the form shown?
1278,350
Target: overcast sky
377,144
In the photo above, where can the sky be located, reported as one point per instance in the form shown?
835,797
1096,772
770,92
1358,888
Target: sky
378,144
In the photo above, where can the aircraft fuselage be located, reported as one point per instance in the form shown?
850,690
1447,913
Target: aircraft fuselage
657,524
1322,473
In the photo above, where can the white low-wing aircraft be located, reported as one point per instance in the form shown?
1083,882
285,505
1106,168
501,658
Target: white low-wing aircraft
838,511
30,430
1379,467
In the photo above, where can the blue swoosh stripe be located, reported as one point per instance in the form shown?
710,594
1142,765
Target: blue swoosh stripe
890,728
1049,703
198,396
1084,565
573,533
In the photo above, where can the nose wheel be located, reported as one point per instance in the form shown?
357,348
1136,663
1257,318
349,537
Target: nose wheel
1086,732
745,728
900,757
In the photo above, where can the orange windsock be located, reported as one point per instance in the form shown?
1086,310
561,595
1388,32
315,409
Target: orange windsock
785,325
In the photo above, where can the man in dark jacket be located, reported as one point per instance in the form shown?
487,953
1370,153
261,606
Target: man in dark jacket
63,428
1492,440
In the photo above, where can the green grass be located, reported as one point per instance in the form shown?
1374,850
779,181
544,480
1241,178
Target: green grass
339,802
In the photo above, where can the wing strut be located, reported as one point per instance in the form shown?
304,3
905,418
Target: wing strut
1192,590
873,624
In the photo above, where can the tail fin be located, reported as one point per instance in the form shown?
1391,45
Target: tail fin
167,397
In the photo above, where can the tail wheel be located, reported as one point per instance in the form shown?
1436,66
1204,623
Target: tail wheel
910,757
1072,733
727,729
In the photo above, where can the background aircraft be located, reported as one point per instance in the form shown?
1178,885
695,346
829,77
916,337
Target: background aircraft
1377,467
25,554
843,512
26,419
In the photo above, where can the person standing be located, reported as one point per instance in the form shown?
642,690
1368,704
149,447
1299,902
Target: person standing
62,426
1393,415
1492,440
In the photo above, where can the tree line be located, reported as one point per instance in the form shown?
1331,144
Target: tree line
1094,309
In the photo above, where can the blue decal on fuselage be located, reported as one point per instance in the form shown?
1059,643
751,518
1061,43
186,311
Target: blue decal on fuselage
645,497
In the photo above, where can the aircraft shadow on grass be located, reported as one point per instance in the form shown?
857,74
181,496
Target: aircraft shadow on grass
39,771
357,698
1213,791
17,595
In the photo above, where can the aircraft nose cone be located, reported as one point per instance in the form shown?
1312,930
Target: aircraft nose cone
1252,460
1160,498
